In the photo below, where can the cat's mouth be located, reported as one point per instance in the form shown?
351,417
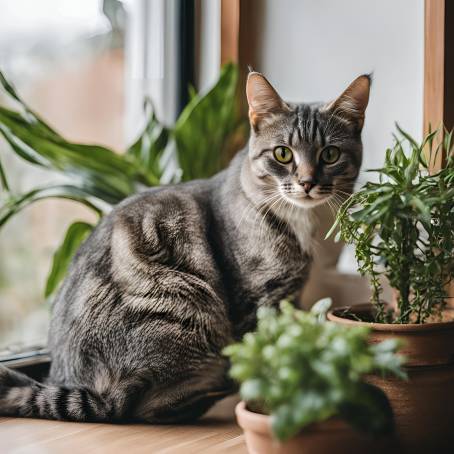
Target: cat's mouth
302,199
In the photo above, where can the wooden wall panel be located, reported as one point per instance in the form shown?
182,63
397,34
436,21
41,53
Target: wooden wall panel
434,34
438,67
434,47
439,73
230,31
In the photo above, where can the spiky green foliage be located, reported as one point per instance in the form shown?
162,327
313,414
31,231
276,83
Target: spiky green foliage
403,227
301,369
99,177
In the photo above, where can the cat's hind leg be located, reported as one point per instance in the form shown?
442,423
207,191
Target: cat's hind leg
186,400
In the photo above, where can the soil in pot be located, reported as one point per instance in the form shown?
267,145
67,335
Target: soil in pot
424,405
331,436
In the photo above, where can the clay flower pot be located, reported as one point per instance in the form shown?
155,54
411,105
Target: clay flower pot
333,435
424,405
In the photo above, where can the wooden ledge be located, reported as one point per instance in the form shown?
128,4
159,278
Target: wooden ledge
217,432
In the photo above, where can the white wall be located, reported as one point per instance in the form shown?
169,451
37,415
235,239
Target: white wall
312,49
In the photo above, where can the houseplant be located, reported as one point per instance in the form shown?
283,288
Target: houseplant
403,229
303,388
99,177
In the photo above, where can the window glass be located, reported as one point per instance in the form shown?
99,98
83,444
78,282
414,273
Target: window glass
66,59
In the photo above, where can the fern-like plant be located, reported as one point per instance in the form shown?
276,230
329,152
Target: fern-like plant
98,177
300,369
403,227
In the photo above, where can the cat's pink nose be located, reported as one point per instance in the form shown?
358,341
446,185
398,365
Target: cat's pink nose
307,186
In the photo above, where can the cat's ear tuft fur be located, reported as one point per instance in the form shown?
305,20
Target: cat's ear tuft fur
352,103
262,98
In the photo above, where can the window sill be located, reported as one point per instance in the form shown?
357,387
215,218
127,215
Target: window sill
215,432
26,358
35,364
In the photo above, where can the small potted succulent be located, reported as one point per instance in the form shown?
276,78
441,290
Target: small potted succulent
303,387
403,229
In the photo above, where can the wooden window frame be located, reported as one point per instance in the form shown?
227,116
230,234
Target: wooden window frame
438,68
439,76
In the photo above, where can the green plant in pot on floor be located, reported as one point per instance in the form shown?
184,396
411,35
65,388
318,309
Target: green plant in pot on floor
403,229
303,388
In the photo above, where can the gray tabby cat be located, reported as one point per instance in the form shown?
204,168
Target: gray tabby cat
176,273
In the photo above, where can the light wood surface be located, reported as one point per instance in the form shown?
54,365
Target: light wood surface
438,77
217,432
438,69
230,30
434,63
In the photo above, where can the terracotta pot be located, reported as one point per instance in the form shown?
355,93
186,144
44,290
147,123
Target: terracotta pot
424,405
333,435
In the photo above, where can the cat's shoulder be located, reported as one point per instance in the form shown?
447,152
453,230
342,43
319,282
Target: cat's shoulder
177,207
161,198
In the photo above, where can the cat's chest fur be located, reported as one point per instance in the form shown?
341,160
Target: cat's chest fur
271,261
302,223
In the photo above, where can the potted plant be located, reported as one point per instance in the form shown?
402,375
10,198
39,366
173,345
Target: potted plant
303,388
403,229
99,177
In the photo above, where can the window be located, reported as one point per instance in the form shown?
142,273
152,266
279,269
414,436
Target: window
86,67
67,60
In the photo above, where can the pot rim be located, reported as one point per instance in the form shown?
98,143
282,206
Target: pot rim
333,316
256,422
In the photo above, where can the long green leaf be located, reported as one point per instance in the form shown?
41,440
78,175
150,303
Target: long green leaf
97,166
3,180
148,149
407,136
75,235
16,204
204,125
32,139
92,156
31,116
22,149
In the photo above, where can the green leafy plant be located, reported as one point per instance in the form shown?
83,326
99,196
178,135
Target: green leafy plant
99,177
403,227
301,369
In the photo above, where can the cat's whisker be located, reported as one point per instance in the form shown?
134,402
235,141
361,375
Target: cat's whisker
331,208
339,190
340,194
336,202
276,209
341,198
263,205
284,206
266,213
257,208
281,205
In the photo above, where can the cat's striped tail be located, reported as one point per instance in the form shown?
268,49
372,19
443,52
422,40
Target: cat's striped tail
22,396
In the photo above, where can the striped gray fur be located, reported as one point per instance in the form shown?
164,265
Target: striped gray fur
174,274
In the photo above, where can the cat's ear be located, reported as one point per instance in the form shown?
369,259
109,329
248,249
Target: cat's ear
352,103
263,99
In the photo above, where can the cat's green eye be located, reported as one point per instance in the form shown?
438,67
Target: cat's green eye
330,155
283,154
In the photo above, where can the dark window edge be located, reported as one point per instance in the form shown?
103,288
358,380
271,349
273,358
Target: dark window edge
25,359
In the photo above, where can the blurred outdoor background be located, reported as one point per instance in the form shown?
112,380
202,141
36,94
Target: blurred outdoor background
86,66
67,60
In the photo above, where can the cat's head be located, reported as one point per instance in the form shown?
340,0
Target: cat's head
305,153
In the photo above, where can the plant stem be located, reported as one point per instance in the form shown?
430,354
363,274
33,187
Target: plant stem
404,282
